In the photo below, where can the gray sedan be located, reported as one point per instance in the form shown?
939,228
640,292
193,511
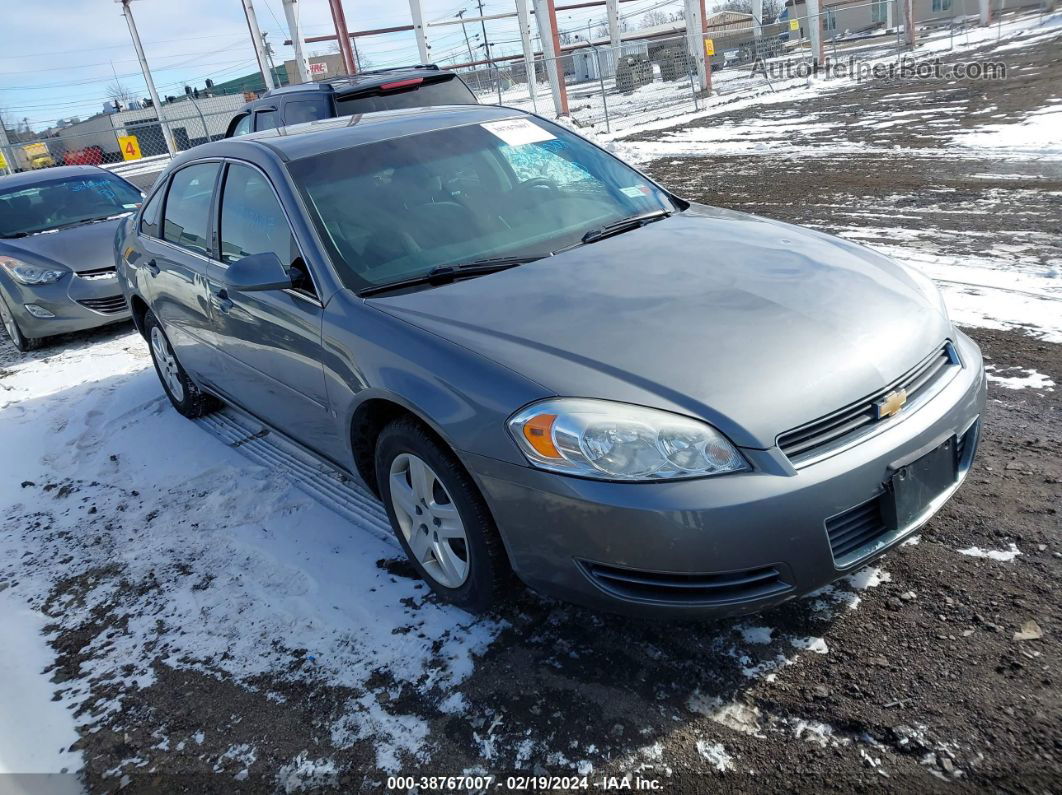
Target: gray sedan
57,271
546,364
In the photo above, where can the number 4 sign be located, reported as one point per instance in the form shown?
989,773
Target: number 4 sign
130,147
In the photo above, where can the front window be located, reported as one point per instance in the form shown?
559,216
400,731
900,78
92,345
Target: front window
243,126
59,203
397,209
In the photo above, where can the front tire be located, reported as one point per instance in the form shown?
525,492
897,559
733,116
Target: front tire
185,396
18,339
440,518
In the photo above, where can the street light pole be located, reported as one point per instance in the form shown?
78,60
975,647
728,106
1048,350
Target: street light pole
167,134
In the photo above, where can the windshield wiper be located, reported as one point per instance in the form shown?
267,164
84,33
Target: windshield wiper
86,221
445,274
623,225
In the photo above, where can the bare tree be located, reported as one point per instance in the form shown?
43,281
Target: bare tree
120,93
771,8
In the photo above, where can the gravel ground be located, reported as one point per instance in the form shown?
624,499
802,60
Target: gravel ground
944,678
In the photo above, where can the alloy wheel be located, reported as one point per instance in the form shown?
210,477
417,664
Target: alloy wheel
429,520
167,363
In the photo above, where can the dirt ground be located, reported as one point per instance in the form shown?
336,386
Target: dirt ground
927,686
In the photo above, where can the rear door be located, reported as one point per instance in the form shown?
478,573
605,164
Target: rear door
269,342
175,245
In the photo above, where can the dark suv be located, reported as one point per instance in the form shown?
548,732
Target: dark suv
366,92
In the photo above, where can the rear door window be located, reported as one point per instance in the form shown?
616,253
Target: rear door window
187,216
304,110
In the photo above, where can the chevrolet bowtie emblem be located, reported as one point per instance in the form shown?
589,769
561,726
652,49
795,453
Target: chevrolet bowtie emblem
891,403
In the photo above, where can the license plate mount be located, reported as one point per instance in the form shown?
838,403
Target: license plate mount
914,486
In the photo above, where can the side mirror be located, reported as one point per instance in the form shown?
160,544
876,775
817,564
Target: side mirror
258,272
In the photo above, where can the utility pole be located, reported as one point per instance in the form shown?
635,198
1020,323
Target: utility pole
167,134
5,150
461,16
291,13
339,19
483,25
267,48
256,40
486,45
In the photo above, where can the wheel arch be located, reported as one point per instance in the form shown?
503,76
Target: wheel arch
370,417
139,309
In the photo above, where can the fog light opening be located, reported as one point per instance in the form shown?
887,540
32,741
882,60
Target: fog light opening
38,311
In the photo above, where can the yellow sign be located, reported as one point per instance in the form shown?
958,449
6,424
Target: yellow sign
794,24
130,147
709,47
3,161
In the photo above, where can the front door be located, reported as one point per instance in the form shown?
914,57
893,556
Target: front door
270,341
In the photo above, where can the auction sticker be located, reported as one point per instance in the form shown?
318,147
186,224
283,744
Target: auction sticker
517,132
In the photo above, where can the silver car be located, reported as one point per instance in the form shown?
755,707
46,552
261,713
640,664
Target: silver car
544,363
57,270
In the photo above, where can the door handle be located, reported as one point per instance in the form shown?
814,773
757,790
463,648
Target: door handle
152,267
224,302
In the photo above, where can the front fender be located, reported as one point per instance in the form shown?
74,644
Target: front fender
464,397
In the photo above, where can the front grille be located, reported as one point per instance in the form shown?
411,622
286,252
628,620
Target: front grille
98,273
854,529
106,306
692,589
801,444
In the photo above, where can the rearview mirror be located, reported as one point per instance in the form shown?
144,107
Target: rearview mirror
258,272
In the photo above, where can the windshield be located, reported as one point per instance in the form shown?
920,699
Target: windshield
56,203
396,209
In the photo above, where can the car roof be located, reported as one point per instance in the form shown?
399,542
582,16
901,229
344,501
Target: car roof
26,178
358,82
328,135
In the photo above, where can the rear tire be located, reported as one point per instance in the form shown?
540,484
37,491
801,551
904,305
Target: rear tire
18,339
443,525
185,396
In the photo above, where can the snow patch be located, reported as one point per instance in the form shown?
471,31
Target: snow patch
716,755
1003,555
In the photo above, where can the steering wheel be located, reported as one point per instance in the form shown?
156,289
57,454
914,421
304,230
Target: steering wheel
539,182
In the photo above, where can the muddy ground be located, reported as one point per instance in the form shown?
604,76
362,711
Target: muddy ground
924,687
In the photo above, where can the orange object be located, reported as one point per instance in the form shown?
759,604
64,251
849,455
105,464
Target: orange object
539,433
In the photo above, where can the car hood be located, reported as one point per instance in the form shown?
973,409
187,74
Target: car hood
80,248
754,325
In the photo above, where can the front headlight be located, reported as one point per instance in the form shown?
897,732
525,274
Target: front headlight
30,274
617,441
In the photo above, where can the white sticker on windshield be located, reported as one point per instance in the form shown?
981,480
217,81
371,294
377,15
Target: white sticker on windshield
636,192
517,132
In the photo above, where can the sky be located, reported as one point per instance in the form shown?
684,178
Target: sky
57,63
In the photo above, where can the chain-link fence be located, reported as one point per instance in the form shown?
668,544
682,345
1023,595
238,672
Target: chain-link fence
126,141
608,88
643,80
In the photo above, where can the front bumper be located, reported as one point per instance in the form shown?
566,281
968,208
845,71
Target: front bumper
719,546
104,304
